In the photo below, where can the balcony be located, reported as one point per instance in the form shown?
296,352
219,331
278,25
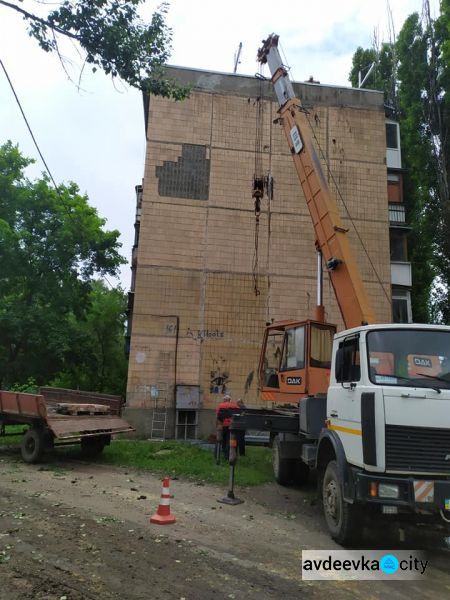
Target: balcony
401,274
397,216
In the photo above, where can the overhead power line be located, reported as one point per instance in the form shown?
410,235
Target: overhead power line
29,127
69,212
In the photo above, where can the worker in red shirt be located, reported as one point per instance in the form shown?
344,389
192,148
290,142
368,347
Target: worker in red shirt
224,412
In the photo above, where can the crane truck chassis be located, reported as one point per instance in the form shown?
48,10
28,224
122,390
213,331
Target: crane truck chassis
379,439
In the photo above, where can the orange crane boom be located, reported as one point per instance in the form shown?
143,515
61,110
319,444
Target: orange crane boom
331,235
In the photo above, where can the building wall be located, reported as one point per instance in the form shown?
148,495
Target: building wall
196,317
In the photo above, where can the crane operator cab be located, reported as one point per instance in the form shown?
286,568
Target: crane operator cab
295,360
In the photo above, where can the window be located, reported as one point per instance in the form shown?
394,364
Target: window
272,357
391,135
395,186
400,310
187,424
398,246
348,361
321,346
294,350
409,357
401,306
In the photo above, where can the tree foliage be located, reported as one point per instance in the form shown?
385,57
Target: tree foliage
416,86
382,75
113,37
52,247
97,359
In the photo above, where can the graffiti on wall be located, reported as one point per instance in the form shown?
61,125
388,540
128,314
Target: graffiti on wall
219,377
205,334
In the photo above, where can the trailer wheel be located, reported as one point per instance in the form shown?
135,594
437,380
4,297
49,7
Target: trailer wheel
92,446
283,468
343,519
33,445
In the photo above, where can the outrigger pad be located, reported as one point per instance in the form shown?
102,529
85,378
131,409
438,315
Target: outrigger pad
232,501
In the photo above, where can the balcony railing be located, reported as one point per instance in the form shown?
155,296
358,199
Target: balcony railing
397,214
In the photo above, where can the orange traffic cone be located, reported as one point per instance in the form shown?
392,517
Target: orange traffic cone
162,516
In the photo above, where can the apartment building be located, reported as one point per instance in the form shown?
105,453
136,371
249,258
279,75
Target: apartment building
209,271
398,228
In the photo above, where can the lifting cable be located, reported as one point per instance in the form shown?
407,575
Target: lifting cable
330,173
258,183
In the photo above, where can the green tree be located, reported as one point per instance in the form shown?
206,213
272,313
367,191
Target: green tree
379,66
97,360
419,79
52,247
113,37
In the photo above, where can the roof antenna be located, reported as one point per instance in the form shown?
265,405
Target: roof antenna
236,58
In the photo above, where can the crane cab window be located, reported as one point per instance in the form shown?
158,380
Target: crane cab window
348,367
321,346
294,349
272,358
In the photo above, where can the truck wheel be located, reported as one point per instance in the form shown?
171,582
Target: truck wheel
33,445
92,446
342,518
283,468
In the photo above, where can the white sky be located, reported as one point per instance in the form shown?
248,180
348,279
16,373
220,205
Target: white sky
95,137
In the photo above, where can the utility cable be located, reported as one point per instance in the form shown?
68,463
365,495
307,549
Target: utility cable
29,127
63,202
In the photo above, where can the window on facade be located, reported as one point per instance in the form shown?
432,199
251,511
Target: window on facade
401,306
294,351
399,310
398,246
187,424
395,187
391,135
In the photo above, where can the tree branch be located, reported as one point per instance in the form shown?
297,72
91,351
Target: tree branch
32,17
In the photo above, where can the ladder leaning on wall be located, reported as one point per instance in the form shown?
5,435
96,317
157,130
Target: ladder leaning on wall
159,415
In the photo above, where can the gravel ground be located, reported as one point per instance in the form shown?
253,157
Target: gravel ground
72,530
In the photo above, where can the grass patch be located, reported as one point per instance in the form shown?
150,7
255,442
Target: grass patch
181,459
13,440
172,458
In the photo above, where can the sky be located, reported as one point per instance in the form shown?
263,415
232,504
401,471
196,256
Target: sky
95,136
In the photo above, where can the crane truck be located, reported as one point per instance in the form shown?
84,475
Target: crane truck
368,407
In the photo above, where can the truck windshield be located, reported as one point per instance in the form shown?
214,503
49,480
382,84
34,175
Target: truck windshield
409,357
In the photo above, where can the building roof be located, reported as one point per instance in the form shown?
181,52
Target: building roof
312,94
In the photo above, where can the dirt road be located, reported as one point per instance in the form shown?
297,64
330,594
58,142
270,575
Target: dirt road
71,530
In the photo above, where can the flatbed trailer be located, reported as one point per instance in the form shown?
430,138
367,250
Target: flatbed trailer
67,419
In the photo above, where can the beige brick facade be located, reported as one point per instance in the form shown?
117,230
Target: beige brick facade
196,318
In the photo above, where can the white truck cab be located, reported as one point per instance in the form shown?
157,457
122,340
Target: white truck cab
389,397
388,423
